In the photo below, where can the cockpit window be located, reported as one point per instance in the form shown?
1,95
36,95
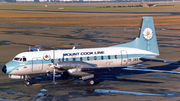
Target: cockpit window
16,58
20,59
24,59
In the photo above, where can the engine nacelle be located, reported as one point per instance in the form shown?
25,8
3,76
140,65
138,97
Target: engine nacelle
83,75
74,68
74,64
77,72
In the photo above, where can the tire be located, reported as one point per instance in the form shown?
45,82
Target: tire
27,83
90,82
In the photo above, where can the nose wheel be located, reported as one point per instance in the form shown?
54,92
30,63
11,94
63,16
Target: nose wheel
27,81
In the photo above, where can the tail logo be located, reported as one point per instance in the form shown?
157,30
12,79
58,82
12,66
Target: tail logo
148,33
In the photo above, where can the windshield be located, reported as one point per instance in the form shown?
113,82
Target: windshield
23,59
16,58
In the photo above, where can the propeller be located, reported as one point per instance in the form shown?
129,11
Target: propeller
54,68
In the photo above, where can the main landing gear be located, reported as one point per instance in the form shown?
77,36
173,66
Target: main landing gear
90,82
89,79
65,76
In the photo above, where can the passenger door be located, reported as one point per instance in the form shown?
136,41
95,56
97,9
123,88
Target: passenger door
37,64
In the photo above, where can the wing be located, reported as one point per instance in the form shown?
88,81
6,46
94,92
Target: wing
83,66
155,60
159,69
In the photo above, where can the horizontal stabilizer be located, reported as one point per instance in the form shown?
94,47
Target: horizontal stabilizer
35,49
155,60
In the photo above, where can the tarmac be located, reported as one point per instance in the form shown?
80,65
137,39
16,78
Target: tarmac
94,12
115,85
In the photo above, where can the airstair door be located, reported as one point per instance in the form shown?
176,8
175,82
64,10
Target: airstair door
37,64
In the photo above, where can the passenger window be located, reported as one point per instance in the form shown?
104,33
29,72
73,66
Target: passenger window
74,59
115,56
95,58
81,58
60,60
88,58
66,59
109,57
102,57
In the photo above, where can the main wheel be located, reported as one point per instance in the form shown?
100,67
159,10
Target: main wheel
90,82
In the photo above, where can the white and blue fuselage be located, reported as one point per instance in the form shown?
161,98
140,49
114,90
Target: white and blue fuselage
37,62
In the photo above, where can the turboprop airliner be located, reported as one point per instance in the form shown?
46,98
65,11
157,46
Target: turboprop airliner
83,63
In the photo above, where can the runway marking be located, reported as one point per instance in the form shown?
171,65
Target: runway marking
165,94
151,70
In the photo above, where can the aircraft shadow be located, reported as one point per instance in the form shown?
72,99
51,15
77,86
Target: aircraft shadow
112,74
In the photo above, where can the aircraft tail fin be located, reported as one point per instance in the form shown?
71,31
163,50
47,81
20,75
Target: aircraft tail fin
146,39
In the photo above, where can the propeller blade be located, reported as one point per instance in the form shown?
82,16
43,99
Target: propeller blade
54,73
54,69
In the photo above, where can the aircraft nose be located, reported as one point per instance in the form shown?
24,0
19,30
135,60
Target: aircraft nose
4,69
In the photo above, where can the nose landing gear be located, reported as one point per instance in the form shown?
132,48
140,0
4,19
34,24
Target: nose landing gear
27,81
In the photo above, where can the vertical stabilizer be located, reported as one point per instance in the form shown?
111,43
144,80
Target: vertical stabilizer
146,40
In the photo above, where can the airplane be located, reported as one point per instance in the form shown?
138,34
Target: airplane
83,63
